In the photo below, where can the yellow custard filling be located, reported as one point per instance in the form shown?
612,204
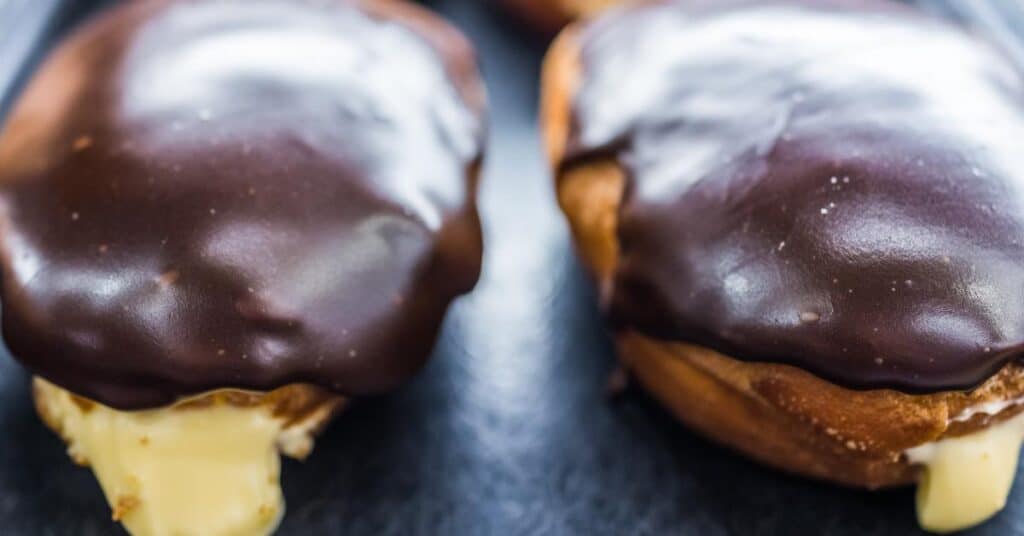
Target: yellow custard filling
210,470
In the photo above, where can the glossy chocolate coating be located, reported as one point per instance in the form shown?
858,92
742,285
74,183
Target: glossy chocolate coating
246,193
834,185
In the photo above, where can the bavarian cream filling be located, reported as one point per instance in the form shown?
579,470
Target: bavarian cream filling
993,407
203,471
967,479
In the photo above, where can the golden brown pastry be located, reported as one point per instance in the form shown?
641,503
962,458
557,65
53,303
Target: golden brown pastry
804,218
220,220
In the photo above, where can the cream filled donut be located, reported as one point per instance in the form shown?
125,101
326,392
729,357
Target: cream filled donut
805,218
221,219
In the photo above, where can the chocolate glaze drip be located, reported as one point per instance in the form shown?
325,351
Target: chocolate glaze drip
207,194
835,185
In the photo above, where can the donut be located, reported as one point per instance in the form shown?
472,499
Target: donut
550,15
221,220
804,220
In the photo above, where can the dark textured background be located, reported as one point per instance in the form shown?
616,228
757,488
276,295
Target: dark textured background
508,430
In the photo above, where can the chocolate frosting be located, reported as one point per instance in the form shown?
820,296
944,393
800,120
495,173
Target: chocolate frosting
240,193
834,185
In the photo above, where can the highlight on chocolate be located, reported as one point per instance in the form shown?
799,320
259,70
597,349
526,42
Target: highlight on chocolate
805,219
222,220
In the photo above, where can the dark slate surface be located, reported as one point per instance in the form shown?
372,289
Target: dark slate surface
508,430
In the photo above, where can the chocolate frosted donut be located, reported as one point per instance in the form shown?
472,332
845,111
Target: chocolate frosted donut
232,214
788,202
832,201
198,195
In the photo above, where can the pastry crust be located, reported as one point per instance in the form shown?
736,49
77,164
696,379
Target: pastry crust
778,414
304,410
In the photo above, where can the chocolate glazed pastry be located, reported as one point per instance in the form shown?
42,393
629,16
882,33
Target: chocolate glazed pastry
221,219
550,15
806,220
